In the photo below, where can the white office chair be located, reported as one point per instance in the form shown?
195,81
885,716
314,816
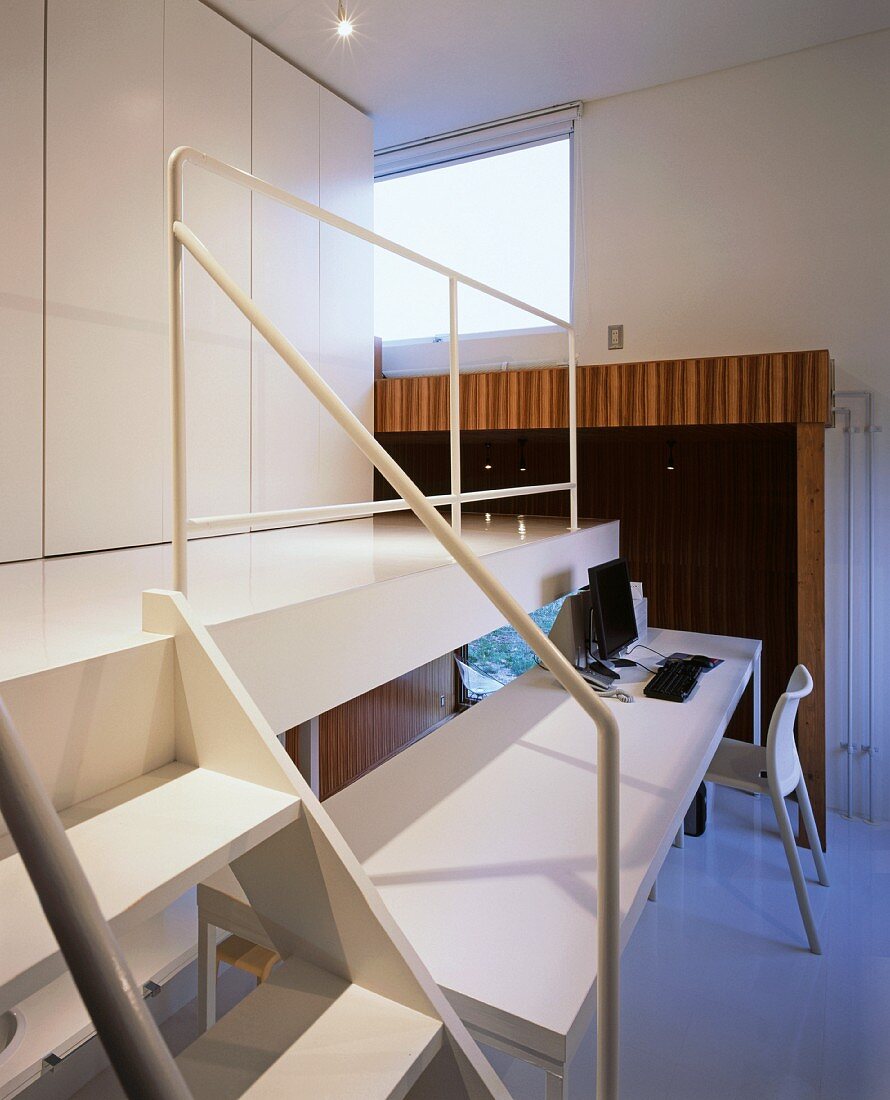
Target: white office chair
477,684
776,768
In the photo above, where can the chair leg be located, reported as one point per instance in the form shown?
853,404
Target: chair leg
806,813
207,969
800,885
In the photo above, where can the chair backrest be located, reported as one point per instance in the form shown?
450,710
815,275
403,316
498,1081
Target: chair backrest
781,752
476,682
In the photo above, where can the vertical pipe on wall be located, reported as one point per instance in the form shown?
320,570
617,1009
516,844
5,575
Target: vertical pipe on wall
454,404
573,433
867,741
870,430
848,478
177,374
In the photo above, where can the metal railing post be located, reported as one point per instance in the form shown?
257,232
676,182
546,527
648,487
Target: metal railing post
573,433
177,374
141,1058
454,404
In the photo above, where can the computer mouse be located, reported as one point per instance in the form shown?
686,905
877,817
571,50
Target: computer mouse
701,660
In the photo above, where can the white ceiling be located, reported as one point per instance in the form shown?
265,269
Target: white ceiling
427,66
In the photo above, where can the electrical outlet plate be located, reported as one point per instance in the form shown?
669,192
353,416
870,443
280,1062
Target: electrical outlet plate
616,337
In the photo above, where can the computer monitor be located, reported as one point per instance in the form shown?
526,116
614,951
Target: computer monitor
613,621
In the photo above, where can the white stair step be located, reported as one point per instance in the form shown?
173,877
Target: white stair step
141,845
307,1034
56,1019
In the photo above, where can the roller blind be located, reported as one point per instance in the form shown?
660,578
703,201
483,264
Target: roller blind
475,142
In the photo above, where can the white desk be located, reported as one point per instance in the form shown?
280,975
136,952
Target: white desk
482,841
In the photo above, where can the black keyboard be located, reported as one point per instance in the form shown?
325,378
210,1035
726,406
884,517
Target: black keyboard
675,681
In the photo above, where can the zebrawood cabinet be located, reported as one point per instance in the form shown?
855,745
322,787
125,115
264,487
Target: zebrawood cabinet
780,388
729,542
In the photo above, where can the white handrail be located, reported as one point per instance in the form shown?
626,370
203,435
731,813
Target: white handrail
186,154
608,756
132,1041
320,513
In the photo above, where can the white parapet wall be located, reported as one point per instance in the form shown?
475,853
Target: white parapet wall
304,658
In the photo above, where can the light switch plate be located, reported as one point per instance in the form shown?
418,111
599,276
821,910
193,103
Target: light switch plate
636,590
616,337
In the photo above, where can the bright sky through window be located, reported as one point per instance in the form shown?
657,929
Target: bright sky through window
504,220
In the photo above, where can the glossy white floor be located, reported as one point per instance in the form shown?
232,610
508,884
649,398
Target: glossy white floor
65,609
721,998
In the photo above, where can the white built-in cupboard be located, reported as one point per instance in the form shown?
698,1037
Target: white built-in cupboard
84,434
21,279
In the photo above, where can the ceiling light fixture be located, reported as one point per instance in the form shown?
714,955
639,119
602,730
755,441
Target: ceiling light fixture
487,456
344,23
522,465
670,464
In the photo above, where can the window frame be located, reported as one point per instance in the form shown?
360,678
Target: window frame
547,137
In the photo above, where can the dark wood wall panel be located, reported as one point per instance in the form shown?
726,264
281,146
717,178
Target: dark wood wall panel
810,442
784,387
715,541
360,734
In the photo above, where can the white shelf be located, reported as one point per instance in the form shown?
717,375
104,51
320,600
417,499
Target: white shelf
307,1034
142,845
56,1021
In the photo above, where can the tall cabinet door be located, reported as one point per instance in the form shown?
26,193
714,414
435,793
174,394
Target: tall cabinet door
21,280
105,320
285,416
347,295
207,105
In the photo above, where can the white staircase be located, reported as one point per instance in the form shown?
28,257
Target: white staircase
307,1032
141,845
351,1012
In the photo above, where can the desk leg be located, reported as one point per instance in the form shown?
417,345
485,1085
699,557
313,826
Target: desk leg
206,975
557,1087
756,686
307,733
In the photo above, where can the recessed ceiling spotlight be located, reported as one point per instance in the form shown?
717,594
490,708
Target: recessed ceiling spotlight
344,23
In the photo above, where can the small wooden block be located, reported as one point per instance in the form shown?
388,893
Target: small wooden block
247,956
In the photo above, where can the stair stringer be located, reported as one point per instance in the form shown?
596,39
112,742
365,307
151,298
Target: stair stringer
326,909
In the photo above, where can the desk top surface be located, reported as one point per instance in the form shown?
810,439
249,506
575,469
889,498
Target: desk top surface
482,837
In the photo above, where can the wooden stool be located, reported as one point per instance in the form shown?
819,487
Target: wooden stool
247,956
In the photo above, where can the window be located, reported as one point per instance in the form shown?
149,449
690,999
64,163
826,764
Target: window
502,654
504,220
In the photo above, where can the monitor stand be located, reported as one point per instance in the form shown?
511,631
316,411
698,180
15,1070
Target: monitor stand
623,669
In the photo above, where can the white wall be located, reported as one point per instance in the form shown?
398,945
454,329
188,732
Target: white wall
346,304
106,387
126,82
207,90
21,280
285,284
748,211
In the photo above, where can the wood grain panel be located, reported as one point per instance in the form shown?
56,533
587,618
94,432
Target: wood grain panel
784,387
730,542
810,440
362,733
